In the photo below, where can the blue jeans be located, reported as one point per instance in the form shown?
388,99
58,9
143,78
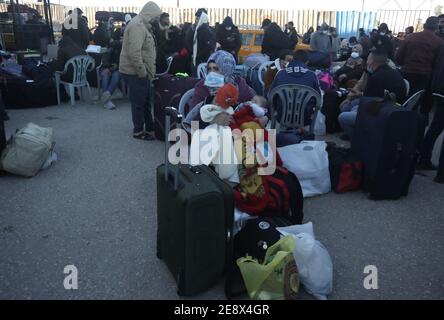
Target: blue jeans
139,96
435,129
109,81
347,119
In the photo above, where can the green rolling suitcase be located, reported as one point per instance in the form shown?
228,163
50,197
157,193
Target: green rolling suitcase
195,212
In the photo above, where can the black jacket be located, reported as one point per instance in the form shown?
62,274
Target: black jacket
81,35
438,76
101,36
293,37
206,42
67,50
274,41
386,78
229,40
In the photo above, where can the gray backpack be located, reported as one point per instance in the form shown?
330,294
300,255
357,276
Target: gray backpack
28,150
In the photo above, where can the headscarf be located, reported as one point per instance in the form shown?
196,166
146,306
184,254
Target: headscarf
226,63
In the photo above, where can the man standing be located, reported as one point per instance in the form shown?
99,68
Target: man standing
320,40
437,125
417,56
228,35
138,67
292,34
441,26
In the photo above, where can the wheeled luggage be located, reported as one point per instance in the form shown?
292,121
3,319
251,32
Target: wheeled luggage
168,90
195,212
386,140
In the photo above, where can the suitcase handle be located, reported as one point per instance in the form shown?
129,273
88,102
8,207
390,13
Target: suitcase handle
171,112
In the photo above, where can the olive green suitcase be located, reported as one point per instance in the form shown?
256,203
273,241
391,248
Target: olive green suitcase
195,212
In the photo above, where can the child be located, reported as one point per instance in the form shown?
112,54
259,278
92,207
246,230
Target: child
259,107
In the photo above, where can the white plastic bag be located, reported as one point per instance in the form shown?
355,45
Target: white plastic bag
315,267
320,129
308,160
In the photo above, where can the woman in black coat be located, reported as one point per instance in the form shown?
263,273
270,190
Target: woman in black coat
274,41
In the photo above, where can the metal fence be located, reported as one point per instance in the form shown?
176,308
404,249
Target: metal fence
398,20
347,22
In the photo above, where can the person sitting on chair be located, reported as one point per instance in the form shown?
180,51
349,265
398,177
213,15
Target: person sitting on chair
297,72
381,78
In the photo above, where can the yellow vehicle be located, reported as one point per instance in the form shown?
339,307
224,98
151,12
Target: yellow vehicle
252,43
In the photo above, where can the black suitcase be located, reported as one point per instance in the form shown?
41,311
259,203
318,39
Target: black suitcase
195,212
168,90
386,139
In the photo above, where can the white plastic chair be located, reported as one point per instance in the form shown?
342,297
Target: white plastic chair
261,72
293,100
81,65
169,61
201,70
407,87
186,98
414,101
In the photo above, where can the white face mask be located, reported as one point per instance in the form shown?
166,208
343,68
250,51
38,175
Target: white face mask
325,32
214,80
382,33
355,55
228,28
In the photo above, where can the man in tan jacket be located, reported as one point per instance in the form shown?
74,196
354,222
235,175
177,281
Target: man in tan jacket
138,67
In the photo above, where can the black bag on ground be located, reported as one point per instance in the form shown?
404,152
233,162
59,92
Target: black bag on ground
385,138
254,239
20,92
195,212
330,108
168,90
37,71
346,171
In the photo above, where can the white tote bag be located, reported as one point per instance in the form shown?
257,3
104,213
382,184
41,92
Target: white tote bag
308,160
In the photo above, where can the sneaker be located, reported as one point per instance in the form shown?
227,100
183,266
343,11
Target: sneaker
106,96
439,179
109,105
426,165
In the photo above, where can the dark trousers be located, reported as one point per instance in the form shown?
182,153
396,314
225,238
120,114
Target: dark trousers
435,129
419,82
139,95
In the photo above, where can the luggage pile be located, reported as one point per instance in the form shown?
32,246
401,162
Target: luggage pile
209,228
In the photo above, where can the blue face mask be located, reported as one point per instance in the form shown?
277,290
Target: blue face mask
214,80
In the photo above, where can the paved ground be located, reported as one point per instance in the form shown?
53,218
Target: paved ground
96,209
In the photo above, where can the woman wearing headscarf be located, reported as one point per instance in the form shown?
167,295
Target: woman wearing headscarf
204,41
220,64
